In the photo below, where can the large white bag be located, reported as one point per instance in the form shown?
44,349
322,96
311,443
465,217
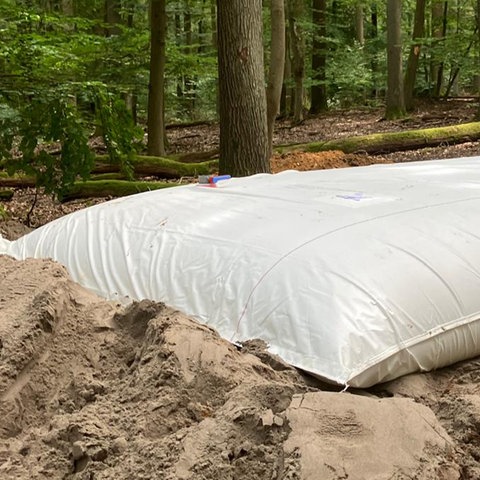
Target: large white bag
357,275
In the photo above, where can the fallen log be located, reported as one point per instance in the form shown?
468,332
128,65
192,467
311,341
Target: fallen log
16,181
158,166
393,141
110,188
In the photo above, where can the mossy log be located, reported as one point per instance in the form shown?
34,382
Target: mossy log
158,166
16,181
111,188
393,141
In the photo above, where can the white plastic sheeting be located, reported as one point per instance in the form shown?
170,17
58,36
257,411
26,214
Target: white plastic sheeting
357,275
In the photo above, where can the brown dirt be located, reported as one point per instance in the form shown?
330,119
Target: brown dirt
93,390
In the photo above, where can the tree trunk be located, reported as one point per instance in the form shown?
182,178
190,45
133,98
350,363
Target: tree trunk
286,97
297,45
478,58
156,120
373,63
190,82
243,105
359,28
395,96
319,58
439,32
277,67
414,55
178,42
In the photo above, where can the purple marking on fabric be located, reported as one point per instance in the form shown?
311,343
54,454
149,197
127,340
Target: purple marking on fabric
356,197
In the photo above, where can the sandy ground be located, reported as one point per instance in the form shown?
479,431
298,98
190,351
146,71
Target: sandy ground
93,390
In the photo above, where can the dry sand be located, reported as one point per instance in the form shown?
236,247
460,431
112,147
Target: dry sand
93,390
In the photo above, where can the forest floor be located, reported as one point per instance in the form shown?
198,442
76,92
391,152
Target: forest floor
205,137
90,389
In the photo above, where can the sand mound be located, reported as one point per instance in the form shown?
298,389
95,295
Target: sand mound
93,390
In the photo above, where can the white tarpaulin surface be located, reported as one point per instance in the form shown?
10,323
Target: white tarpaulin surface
357,275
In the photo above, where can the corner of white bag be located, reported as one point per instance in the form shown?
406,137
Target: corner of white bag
4,245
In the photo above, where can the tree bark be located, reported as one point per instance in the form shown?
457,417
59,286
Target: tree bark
414,55
395,95
277,67
319,100
243,105
156,119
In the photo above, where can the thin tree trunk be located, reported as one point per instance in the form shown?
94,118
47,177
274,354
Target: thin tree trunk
189,81
478,58
156,121
319,57
178,40
286,97
374,35
359,27
243,105
436,33
414,55
442,36
395,96
297,39
277,66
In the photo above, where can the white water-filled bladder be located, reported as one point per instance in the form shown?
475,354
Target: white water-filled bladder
356,275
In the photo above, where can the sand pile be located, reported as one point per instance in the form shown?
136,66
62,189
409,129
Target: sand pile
93,390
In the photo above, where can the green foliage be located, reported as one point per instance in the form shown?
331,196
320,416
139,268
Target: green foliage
46,138
349,77
121,136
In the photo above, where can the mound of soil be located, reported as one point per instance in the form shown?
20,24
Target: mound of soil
93,390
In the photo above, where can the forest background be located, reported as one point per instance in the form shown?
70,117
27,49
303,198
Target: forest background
76,70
